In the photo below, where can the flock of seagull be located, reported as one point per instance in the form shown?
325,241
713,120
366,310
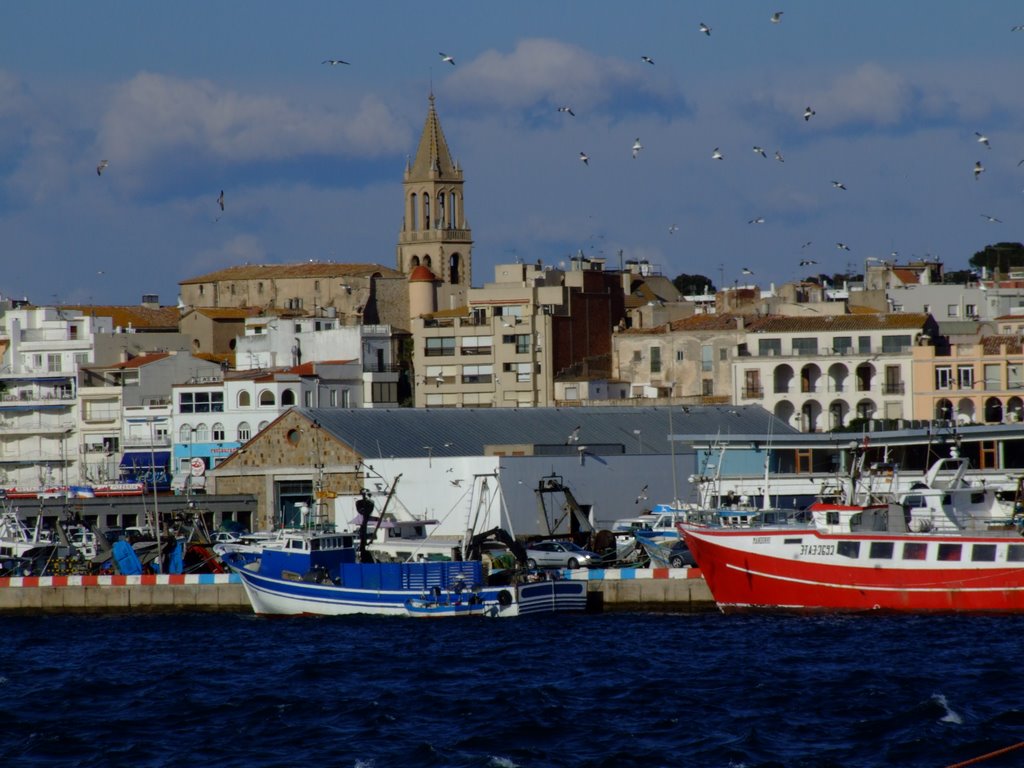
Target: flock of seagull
716,153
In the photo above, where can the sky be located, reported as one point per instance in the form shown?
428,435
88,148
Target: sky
186,99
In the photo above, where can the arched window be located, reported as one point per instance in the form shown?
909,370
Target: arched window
453,269
288,397
263,425
453,212
414,216
244,399
439,216
993,410
244,432
943,410
426,211
427,262
202,433
218,432
185,434
414,261
267,397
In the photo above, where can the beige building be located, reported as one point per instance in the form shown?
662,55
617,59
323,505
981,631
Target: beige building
971,383
821,373
690,358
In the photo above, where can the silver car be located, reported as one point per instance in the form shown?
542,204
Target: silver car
558,554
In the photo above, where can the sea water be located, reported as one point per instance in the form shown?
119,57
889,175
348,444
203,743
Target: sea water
608,690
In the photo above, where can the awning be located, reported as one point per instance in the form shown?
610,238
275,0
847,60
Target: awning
147,467
146,460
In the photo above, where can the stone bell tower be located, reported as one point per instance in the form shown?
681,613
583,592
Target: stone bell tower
435,233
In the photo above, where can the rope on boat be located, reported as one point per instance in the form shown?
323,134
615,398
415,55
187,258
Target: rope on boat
978,759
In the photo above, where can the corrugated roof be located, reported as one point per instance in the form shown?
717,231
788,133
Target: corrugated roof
289,271
404,432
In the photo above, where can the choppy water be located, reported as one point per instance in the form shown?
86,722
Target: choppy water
612,690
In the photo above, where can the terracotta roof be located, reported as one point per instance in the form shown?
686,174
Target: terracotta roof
144,318
993,345
826,323
141,360
422,274
292,271
309,369
907,276
726,322
229,313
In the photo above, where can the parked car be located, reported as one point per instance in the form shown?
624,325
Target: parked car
559,554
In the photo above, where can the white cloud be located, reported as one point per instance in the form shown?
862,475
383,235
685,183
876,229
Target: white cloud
550,70
152,115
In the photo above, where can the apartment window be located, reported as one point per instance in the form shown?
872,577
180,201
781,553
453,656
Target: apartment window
476,345
637,356
679,356
244,432
1013,376
842,345
333,397
523,373
477,374
893,344
952,310
267,398
201,402
805,346
218,432
522,343
993,376
185,434
37,361
53,362
384,392
706,358
943,377
655,359
864,345
82,358
970,310
752,384
723,354
965,376
307,398
707,387
440,347
893,380
244,399
767,347
202,433
927,309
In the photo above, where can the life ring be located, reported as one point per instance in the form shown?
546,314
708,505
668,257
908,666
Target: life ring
504,597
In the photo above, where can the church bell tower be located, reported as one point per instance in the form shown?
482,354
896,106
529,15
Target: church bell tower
435,233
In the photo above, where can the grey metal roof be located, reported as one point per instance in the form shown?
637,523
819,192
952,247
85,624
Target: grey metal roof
407,432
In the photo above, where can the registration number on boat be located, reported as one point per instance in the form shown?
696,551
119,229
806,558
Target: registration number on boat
817,549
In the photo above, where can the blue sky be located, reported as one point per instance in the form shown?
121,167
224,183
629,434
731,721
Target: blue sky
185,99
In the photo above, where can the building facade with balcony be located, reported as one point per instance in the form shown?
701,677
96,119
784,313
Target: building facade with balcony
980,383
819,374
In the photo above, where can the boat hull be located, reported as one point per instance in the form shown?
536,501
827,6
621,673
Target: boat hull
286,597
805,570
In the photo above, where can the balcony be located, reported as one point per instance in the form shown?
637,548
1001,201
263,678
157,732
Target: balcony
372,367
753,393
894,388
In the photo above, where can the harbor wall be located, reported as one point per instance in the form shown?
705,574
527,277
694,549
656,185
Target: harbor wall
613,589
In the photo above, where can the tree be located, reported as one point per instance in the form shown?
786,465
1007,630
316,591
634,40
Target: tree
693,284
1001,257
960,277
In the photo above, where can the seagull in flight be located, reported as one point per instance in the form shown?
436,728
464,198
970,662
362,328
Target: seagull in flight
993,219
705,29
333,62
779,157
642,495
637,146
760,151
717,155
776,17
983,139
978,169
838,185
1017,28
807,262
446,57
574,436
457,483
567,110
758,220
220,199
673,229
806,244
746,271
809,113
842,246
102,167
585,158
648,59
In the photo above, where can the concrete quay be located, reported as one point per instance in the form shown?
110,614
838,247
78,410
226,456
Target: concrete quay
613,589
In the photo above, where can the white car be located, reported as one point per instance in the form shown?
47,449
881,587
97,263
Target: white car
559,554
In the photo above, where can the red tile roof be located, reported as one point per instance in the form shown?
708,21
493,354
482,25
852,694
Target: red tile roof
292,271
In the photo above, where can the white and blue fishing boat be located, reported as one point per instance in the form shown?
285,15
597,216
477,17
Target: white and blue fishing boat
321,573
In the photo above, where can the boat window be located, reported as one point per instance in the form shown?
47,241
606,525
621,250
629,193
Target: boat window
915,550
917,500
848,549
949,552
983,553
314,545
832,518
946,500
977,497
881,549
793,541
1015,553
